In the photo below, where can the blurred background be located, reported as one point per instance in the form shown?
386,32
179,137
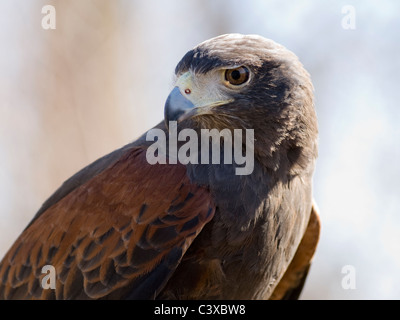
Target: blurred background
72,94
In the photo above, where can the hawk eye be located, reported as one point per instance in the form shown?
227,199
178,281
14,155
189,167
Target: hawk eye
237,76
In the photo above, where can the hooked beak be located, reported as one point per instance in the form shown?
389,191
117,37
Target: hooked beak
177,107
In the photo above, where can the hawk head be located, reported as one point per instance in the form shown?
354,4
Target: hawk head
239,81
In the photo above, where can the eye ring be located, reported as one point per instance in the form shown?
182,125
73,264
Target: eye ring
237,76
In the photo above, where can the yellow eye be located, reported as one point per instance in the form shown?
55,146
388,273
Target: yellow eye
237,76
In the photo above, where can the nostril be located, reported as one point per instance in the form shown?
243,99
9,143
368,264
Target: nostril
188,91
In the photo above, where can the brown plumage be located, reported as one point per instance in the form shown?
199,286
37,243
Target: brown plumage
292,282
122,228
101,240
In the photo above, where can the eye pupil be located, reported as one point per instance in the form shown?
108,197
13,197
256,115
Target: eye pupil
237,76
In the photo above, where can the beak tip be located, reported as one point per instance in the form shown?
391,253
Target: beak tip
176,106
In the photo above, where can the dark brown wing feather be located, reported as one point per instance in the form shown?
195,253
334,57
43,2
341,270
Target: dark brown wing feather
292,282
119,235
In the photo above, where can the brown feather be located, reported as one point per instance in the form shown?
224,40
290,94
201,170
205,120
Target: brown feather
112,230
293,279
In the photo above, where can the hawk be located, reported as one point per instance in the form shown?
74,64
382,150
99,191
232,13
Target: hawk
125,228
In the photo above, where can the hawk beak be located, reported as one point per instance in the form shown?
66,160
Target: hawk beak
177,107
